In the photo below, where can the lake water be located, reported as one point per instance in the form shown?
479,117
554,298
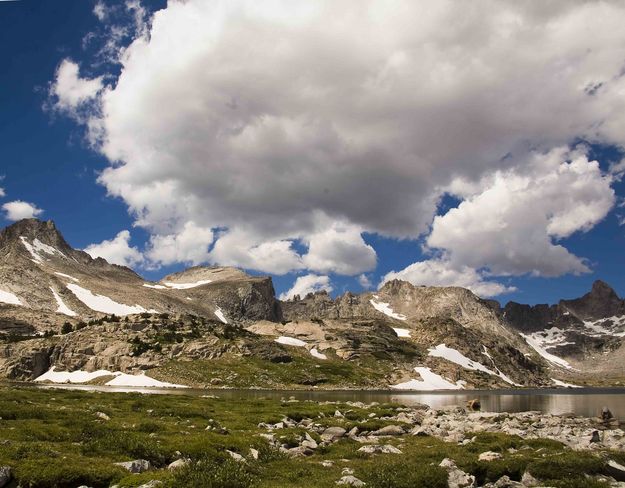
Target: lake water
582,401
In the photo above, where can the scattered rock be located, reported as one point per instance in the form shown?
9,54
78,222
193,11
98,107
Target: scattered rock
350,481
254,453
385,449
504,482
332,434
389,430
102,415
136,466
528,480
489,456
236,456
178,463
327,464
456,478
616,470
5,476
151,484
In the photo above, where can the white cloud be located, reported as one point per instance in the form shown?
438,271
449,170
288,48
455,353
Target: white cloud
100,10
2,192
365,282
190,245
339,249
18,210
70,91
116,250
284,115
307,284
439,272
511,224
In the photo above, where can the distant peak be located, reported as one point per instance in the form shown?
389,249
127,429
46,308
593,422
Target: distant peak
28,230
601,287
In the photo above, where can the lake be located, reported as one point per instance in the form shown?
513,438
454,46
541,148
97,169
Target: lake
581,401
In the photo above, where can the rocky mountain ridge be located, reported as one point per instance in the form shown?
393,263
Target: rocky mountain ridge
60,308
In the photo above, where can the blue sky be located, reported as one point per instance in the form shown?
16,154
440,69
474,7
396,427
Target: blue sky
47,160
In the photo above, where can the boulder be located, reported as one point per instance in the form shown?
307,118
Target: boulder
377,449
456,478
5,476
489,456
136,466
350,481
177,464
332,434
616,470
389,430
151,484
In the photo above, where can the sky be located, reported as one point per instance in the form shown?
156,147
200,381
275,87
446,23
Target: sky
331,144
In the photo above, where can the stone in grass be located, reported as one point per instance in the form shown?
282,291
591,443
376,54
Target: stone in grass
136,466
456,478
102,416
236,456
5,475
389,430
489,456
350,481
505,482
376,449
151,484
177,464
333,433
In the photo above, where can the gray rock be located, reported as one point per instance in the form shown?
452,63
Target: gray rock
177,464
528,480
151,484
236,456
332,434
616,470
456,478
102,416
5,476
489,456
350,481
136,466
504,482
389,430
376,449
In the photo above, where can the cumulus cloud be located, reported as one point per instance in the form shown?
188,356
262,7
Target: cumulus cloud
282,116
190,245
18,210
304,285
117,250
365,282
511,224
100,10
69,91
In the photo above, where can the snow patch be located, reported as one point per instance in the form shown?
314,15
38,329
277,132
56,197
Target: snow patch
220,315
36,247
402,332
315,353
62,308
614,326
156,287
429,381
10,298
290,341
386,309
101,303
121,379
67,276
548,356
562,383
141,380
455,356
186,286
72,377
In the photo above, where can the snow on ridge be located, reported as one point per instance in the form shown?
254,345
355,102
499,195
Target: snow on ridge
402,332
386,309
62,308
290,341
186,286
220,315
121,379
455,356
315,353
36,247
429,381
565,385
67,276
102,303
599,330
156,287
10,298
543,352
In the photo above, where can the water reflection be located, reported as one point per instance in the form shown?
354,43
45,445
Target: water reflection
583,401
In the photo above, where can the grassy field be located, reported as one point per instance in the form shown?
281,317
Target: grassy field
59,438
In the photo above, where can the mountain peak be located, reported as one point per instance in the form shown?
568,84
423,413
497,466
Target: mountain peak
601,301
29,230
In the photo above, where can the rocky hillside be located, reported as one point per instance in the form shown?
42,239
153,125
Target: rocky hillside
62,309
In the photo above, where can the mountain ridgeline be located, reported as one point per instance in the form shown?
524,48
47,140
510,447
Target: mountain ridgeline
62,310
